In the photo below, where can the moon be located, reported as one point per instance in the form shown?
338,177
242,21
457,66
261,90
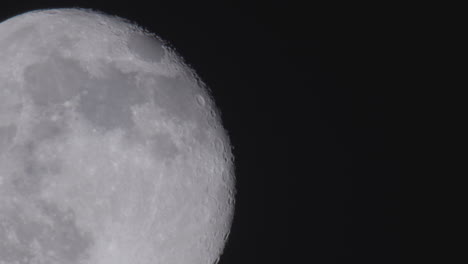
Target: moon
112,150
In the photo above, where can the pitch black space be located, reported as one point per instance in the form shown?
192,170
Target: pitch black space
310,97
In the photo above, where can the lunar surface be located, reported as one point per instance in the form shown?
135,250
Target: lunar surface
111,148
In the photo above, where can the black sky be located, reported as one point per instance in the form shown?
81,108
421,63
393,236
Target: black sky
310,97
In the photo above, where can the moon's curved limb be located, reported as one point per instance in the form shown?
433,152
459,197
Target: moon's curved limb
111,149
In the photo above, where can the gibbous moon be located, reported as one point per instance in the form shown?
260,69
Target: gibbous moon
111,148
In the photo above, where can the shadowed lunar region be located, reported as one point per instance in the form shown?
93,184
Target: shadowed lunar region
111,148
